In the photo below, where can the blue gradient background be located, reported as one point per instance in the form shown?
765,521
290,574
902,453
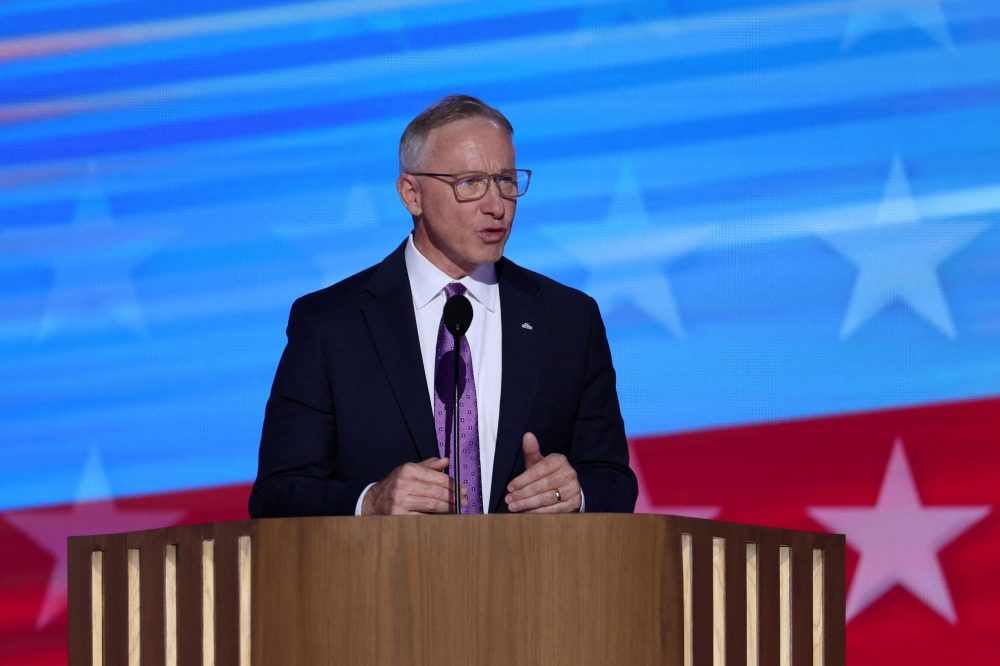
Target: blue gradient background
169,185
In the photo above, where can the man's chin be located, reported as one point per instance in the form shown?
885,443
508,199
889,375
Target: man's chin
490,253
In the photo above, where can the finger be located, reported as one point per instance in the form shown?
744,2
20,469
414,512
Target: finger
532,452
424,473
548,465
451,493
558,507
548,498
427,505
451,487
420,504
537,472
563,478
417,505
534,502
434,463
407,488
569,492
435,503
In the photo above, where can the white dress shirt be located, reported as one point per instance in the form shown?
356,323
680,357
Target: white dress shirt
427,283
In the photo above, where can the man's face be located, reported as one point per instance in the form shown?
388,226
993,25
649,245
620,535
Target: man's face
457,236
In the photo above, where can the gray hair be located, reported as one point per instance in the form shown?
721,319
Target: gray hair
446,110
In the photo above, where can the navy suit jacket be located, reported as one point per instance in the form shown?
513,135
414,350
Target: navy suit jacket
349,401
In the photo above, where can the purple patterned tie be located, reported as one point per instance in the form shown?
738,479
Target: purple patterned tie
468,411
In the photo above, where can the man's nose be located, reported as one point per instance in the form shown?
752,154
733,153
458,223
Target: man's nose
492,203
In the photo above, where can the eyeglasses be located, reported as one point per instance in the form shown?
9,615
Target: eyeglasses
511,183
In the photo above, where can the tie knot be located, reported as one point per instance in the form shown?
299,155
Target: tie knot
454,289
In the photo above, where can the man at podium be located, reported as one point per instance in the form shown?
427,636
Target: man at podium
361,413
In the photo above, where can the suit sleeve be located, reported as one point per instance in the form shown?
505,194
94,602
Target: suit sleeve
600,449
297,464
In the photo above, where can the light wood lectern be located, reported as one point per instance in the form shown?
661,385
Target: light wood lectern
598,589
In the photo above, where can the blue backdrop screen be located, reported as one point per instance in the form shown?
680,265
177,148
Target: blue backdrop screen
784,209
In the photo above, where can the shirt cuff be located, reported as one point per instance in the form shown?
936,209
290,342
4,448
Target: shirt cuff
361,498
583,501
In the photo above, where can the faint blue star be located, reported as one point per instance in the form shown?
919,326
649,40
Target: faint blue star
392,27
898,257
93,259
321,239
625,254
868,16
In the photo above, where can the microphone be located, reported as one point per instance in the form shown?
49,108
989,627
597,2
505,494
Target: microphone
457,318
457,315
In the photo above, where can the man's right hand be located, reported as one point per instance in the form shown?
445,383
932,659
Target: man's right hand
413,488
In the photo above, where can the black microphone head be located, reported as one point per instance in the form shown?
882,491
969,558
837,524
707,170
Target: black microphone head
457,315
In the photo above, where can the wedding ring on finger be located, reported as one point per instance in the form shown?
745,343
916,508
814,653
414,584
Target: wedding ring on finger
558,496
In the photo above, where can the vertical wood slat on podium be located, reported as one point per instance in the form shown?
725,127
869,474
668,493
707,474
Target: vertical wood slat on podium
701,587
152,556
769,603
588,589
736,597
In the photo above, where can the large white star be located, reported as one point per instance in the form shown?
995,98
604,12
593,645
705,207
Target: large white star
898,540
644,504
93,259
625,255
868,16
93,513
898,257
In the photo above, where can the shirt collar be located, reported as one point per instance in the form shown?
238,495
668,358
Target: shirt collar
427,280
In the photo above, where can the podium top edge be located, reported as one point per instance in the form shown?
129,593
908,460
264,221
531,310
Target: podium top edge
684,524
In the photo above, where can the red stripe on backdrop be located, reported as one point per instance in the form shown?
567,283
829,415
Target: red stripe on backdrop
32,582
914,489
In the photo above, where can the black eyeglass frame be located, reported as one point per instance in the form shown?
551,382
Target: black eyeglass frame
491,178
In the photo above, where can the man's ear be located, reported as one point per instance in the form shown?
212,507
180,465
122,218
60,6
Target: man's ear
409,193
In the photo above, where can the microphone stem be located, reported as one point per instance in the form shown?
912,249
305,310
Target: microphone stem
454,429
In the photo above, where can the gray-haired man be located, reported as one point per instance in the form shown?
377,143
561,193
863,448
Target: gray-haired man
360,418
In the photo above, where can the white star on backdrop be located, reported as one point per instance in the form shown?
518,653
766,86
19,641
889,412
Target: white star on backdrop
868,16
898,540
898,257
93,259
320,241
625,255
644,504
93,513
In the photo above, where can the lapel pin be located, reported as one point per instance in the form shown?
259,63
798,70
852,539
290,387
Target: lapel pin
527,326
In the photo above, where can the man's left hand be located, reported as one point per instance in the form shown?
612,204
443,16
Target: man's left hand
548,484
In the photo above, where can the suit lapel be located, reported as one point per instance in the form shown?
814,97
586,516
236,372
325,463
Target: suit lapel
393,328
522,354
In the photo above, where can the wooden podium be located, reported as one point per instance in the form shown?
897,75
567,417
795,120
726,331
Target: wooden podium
598,589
